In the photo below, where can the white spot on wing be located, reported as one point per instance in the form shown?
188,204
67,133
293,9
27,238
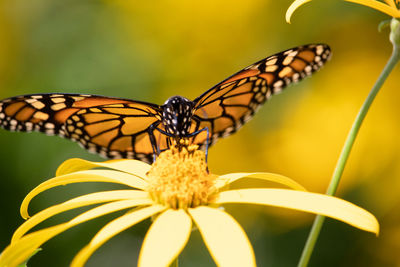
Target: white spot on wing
278,83
271,68
58,99
49,125
320,49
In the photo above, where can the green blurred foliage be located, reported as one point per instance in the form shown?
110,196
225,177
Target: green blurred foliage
150,51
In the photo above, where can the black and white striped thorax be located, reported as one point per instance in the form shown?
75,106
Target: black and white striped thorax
177,114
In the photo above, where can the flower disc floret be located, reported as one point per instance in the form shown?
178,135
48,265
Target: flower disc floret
179,178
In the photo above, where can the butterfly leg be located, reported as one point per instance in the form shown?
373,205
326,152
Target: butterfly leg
154,145
207,139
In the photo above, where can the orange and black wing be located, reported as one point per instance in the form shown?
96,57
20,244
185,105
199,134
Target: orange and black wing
118,130
231,103
112,127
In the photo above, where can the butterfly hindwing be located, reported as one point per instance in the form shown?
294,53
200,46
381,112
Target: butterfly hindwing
227,106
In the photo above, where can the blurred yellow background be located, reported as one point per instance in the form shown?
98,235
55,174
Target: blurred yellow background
151,51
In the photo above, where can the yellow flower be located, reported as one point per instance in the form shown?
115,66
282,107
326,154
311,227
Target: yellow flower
389,8
176,191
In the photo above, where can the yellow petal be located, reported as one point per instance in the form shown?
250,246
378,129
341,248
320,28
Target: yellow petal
391,11
391,3
134,167
111,229
166,238
226,179
23,248
84,176
304,201
295,5
224,237
18,252
89,199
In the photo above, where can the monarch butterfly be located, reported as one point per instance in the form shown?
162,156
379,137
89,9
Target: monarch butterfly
123,128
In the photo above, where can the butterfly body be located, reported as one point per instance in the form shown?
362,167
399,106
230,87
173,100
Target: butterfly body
124,128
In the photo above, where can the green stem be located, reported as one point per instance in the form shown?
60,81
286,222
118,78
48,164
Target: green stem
319,220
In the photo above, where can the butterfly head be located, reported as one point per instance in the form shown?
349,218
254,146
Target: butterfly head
177,115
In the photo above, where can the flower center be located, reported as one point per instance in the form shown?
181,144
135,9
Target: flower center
179,178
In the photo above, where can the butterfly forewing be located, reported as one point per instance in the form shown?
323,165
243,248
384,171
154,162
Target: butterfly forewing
231,103
46,112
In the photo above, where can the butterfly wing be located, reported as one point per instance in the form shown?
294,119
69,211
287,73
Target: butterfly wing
224,108
118,130
100,124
